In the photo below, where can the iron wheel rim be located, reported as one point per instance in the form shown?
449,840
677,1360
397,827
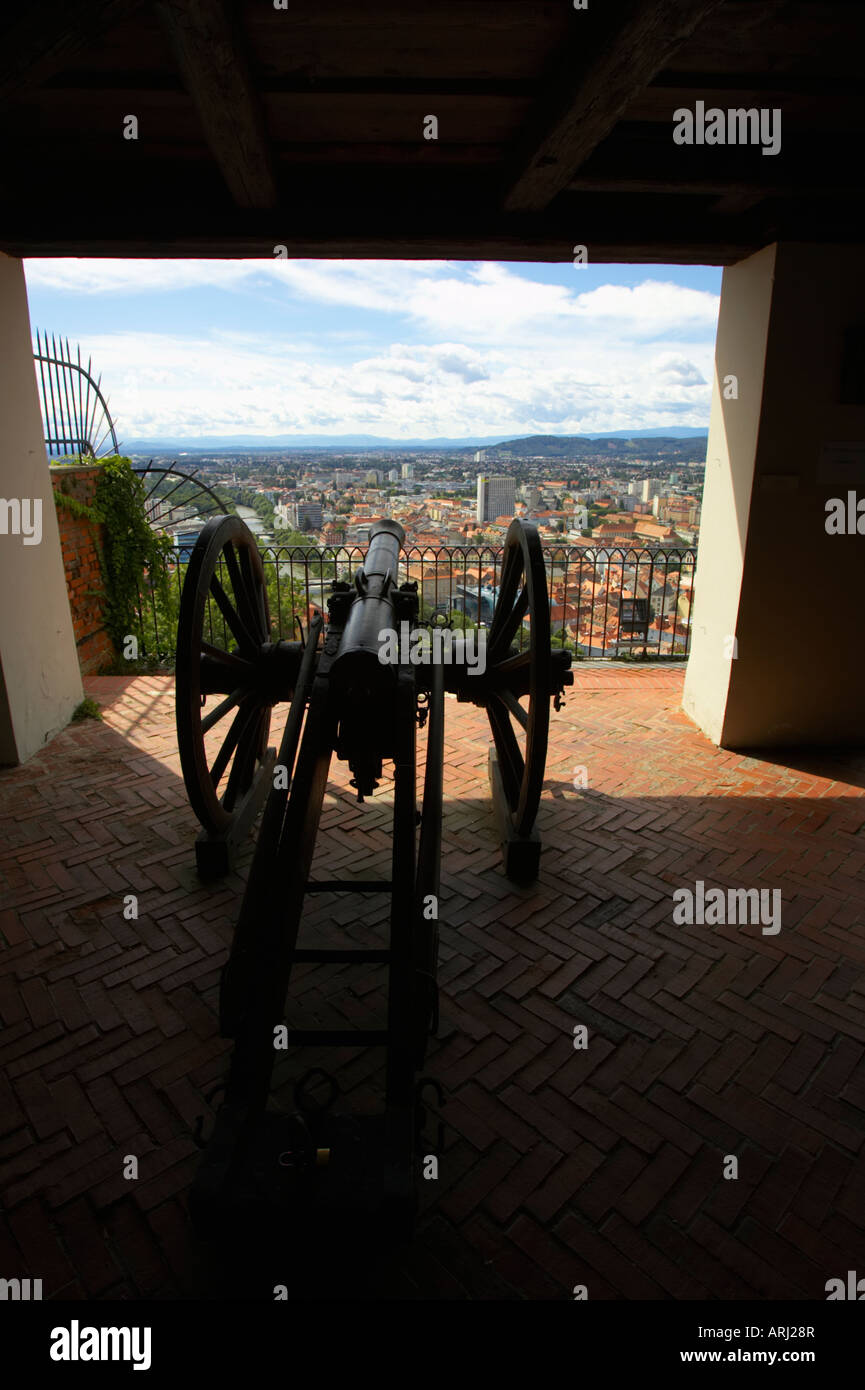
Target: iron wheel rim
225,550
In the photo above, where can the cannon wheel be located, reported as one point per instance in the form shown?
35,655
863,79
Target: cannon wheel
224,623
520,675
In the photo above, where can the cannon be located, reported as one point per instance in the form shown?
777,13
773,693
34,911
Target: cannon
360,686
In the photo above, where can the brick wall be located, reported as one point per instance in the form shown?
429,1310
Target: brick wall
83,574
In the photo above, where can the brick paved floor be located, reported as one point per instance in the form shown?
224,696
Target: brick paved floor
601,1166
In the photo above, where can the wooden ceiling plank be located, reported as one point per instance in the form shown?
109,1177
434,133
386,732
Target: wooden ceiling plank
595,84
209,53
48,34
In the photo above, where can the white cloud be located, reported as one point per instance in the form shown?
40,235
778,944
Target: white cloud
475,298
161,384
469,349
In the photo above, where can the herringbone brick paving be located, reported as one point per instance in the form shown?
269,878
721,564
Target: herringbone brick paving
601,1166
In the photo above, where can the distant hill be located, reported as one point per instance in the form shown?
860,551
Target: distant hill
213,443
565,444
554,447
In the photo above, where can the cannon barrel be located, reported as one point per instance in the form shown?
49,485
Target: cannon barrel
363,687
373,607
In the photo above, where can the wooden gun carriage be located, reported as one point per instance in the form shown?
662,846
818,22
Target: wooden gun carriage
354,695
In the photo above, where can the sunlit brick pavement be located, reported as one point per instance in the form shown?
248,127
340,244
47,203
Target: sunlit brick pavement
601,1166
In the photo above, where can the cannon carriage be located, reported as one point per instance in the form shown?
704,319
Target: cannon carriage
357,690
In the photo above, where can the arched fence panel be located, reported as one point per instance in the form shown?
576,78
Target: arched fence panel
75,413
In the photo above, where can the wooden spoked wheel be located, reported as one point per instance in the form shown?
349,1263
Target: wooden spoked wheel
519,681
222,706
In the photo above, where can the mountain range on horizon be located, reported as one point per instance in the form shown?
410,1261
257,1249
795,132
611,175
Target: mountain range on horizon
201,443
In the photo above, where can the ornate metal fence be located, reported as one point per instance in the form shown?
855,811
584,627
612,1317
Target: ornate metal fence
74,411
592,594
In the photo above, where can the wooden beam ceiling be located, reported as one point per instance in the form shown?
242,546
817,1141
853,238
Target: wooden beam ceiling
209,53
634,161
555,127
598,77
48,34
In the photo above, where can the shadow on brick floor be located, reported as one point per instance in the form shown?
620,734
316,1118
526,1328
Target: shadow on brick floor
601,1166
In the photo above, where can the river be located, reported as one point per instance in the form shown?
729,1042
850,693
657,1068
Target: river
251,517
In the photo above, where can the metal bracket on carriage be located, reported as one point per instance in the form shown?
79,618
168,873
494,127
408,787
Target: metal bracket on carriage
405,601
340,601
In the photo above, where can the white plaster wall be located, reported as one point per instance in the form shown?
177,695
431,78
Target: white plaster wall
40,675
740,351
767,570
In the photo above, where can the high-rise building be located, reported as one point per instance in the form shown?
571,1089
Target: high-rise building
393,475
299,516
408,470
496,497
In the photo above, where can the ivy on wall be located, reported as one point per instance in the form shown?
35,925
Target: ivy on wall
129,551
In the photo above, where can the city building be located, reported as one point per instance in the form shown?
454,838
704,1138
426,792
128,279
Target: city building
306,516
496,497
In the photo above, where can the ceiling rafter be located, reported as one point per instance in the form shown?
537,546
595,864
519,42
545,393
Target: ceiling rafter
210,54
48,34
611,59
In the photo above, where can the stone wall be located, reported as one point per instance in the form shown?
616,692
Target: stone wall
83,574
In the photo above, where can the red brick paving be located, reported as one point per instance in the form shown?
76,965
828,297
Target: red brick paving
600,1167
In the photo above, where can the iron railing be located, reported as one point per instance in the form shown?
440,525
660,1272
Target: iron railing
586,589
75,412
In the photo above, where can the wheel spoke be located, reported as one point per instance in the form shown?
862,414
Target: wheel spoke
511,665
512,569
237,663
243,766
514,674
513,705
511,760
229,743
238,573
510,624
256,595
221,710
239,629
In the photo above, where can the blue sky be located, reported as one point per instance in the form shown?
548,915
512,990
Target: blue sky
397,348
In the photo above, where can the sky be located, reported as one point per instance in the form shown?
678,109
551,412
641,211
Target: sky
402,349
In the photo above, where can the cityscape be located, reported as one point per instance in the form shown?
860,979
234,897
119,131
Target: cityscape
619,522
